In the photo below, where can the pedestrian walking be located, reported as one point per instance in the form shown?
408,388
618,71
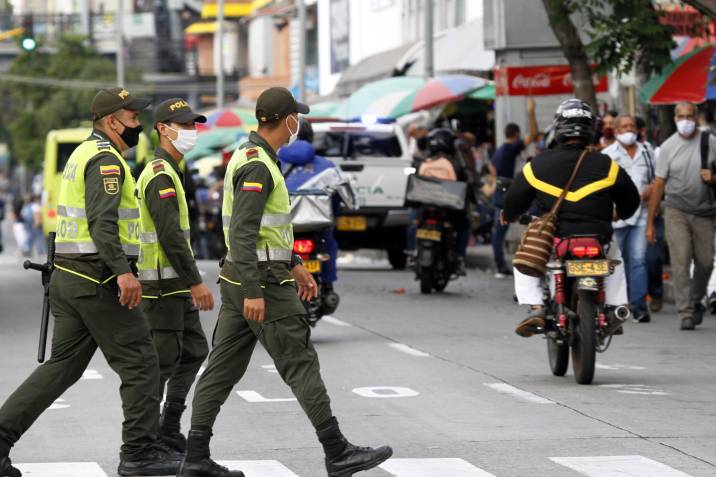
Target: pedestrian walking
690,211
630,234
504,161
261,282
172,287
94,294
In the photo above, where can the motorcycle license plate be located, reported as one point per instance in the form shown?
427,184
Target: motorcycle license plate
428,234
587,268
312,266
352,223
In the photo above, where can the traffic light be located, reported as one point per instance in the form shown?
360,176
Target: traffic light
27,40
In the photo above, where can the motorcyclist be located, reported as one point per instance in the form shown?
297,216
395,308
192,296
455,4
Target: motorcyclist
300,163
601,191
443,162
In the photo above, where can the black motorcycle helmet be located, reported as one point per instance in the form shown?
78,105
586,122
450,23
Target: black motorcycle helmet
441,140
305,130
574,119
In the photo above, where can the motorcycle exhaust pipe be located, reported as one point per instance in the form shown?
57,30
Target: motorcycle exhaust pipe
622,313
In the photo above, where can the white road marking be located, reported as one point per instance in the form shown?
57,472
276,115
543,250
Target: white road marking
618,466
520,394
617,366
386,392
253,396
409,350
270,368
90,374
433,468
335,321
636,389
259,468
59,404
62,469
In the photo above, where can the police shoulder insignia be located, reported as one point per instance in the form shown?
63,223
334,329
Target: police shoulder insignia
109,170
158,165
103,145
168,192
111,185
252,153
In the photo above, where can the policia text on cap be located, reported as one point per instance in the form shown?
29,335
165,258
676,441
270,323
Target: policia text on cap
94,293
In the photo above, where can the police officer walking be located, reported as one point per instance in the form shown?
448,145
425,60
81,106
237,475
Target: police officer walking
172,288
94,293
260,279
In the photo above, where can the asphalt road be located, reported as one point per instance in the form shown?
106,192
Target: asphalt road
441,378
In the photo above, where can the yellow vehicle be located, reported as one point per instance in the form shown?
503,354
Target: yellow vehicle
59,146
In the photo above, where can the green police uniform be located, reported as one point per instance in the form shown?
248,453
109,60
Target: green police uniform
97,240
167,270
258,265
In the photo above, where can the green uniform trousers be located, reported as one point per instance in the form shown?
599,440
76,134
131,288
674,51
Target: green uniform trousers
88,316
179,340
288,342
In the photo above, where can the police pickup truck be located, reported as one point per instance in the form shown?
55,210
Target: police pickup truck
375,157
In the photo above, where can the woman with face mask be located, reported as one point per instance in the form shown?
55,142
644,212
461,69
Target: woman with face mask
173,291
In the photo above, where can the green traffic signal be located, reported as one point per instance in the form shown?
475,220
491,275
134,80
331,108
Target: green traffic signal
28,43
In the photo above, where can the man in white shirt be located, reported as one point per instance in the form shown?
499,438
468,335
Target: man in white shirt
629,234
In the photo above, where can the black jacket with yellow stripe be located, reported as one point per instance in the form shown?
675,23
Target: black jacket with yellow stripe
600,188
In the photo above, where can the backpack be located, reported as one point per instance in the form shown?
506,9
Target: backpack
440,168
705,135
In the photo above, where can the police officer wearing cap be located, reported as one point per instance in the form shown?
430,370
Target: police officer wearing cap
261,282
94,293
173,292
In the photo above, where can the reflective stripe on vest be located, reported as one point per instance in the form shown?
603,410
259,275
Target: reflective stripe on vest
572,196
153,262
73,235
275,232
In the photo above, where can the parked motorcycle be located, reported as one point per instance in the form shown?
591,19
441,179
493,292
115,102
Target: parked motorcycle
437,202
578,319
311,215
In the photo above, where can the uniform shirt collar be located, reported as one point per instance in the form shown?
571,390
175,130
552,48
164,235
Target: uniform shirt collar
255,138
160,153
97,134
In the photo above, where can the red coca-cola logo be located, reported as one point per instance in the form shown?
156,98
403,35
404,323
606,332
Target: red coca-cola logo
540,80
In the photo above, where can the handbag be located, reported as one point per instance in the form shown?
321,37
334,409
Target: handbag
535,248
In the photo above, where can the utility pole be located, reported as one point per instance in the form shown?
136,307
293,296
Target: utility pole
85,18
302,50
120,43
429,66
220,62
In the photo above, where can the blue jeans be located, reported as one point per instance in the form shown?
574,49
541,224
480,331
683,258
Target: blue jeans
499,232
632,242
329,272
655,261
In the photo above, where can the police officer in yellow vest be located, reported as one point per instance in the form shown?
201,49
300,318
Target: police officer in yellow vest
261,281
94,294
172,288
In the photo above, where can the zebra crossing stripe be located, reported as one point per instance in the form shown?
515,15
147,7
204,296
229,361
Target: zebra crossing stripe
432,468
618,466
62,469
259,468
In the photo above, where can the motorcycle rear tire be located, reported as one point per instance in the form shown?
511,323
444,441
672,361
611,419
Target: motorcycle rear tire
426,280
584,347
558,357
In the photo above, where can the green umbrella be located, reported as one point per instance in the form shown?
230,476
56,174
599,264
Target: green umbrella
387,98
325,109
487,92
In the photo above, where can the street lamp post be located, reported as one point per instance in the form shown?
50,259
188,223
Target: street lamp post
120,43
302,50
220,60
429,66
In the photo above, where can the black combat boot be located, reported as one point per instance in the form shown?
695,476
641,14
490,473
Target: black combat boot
343,459
151,462
198,463
170,426
6,468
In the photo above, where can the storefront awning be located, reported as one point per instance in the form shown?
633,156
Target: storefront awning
373,68
201,28
232,8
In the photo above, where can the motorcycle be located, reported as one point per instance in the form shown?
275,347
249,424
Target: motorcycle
438,202
311,215
577,316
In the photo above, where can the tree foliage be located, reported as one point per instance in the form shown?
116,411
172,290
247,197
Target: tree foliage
29,112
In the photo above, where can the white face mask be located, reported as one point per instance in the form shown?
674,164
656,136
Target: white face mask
685,127
627,138
294,135
185,141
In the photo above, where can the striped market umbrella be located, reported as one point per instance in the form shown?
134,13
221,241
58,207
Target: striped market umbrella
692,77
445,89
323,110
229,117
389,98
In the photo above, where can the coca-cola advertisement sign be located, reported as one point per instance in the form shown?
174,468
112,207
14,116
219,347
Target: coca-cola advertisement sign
540,81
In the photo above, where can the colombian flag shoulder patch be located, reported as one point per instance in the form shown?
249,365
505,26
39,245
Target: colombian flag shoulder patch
109,170
166,193
252,153
252,187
